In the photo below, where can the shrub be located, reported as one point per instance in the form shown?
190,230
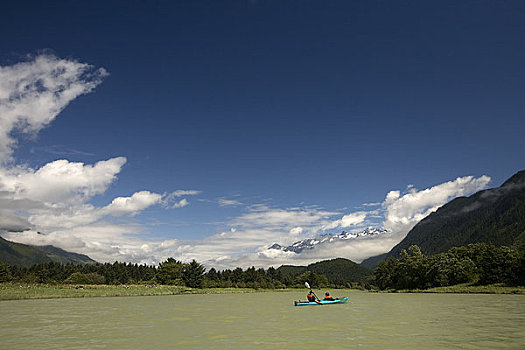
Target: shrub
85,278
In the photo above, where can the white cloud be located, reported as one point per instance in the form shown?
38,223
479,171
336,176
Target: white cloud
54,218
87,229
54,199
296,231
180,204
246,243
404,211
263,226
356,251
172,200
10,222
62,190
261,215
351,219
132,205
252,232
228,202
180,193
33,93
392,196
61,181
103,242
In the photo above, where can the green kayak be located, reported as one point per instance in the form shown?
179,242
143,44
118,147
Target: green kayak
321,302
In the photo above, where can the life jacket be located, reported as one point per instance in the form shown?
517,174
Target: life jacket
328,298
311,297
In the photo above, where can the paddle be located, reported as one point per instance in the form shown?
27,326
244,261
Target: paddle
317,300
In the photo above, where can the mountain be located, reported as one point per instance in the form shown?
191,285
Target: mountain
65,257
12,253
291,270
20,254
312,243
338,271
495,216
341,270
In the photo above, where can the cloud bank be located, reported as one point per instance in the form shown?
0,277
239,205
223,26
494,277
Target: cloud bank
264,226
403,211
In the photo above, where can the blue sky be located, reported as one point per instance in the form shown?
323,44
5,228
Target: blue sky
265,116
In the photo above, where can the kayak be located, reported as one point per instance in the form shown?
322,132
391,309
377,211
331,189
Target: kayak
323,302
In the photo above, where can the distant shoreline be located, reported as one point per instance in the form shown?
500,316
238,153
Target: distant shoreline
21,291
18,291
464,289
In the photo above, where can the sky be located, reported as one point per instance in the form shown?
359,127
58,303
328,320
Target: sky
141,130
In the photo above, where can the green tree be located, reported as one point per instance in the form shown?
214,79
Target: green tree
237,275
193,274
211,278
5,273
212,275
384,273
410,272
315,280
85,278
170,272
494,264
519,271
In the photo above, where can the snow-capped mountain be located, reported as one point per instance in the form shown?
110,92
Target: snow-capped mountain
311,243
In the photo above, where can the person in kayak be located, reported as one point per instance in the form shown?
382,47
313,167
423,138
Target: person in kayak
311,297
328,297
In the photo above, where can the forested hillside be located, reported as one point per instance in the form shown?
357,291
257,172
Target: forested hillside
478,264
341,271
495,216
23,255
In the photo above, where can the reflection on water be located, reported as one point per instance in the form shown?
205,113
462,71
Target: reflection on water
266,321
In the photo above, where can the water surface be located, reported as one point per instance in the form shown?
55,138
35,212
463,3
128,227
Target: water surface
267,321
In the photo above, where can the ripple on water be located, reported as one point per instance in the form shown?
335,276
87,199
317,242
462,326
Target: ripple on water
267,321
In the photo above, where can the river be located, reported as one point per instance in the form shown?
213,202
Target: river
267,321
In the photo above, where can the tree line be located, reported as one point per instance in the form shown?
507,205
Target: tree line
54,272
259,278
193,275
478,263
169,272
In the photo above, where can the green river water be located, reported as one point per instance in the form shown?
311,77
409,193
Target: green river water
267,321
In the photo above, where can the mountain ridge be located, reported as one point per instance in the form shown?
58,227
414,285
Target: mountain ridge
12,253
312,243
338,271
495,216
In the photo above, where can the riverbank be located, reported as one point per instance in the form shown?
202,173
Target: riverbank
490,289
467,289
17,291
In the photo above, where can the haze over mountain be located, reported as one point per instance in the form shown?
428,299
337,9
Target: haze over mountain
495,216
25,255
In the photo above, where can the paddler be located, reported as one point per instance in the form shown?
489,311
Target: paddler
328,297
311,297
